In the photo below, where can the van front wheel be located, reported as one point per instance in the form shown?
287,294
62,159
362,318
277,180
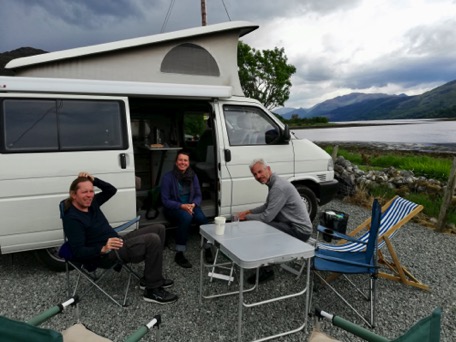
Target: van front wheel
50,258
309,199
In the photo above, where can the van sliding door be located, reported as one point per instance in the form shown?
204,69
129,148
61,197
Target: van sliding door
46,141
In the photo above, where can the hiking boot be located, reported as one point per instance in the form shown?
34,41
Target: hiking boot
181,260
266,274
159,295
166,283
208,256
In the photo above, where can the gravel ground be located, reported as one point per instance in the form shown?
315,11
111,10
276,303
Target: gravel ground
29,288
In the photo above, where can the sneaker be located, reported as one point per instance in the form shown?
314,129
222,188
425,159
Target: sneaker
181,260
167,283
208,256
265,275
159,295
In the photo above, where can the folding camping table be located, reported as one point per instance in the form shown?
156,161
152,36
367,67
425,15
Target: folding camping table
252,244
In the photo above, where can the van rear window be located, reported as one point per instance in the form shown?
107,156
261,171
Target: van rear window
62,125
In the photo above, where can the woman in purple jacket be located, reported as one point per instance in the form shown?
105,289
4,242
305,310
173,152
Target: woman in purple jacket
181,198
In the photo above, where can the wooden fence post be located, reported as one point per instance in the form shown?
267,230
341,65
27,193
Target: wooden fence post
334,153
447,198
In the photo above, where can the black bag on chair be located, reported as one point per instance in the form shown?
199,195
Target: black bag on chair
334,220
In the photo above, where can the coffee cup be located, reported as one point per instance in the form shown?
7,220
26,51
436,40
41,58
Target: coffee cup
219,225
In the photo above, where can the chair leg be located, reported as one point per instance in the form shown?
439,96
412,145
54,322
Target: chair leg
400,273
127,288
67,270
372,299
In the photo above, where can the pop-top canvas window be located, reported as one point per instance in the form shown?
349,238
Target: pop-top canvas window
190,59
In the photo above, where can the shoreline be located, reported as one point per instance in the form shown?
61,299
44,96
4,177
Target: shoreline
444,150
340,124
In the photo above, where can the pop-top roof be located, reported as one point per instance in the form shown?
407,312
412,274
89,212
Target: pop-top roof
204,55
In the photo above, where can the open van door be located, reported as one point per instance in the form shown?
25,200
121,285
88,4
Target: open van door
248,132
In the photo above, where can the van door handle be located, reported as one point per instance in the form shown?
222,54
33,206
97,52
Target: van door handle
227,155
123,160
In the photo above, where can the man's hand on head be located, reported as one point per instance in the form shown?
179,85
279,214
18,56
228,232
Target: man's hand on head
87,175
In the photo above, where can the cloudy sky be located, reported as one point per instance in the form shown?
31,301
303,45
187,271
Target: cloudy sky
337,46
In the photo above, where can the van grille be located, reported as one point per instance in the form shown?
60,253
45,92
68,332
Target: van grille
322,177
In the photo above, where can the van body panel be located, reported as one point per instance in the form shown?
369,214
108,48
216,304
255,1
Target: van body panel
310,158
32,184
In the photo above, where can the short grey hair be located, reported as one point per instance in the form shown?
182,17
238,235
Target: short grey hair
258,161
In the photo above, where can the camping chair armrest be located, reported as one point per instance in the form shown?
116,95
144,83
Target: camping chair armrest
343,261
127,224
141,331
51,312
335,234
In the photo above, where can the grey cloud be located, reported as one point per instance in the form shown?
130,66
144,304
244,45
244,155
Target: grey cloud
260,10
431,39
315,70
87,13
408,72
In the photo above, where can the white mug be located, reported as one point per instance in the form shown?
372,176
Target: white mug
219,225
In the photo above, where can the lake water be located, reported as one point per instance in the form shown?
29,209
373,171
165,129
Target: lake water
417,134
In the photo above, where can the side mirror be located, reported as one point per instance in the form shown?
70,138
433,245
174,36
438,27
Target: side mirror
286,135
274,137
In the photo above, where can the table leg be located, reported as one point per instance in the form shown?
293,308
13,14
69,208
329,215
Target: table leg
309,291
241,302
201,271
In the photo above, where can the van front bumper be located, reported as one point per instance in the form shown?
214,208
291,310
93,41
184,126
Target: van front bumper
328,191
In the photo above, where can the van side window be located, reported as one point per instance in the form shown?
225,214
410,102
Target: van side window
62,125
249,126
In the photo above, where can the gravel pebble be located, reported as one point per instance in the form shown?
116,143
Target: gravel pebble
29,288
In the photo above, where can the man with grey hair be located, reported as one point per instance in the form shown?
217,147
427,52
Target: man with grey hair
283,209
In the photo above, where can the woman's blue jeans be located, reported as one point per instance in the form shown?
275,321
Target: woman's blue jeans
183,221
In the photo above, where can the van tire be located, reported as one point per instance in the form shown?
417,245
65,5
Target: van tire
50,258
309,199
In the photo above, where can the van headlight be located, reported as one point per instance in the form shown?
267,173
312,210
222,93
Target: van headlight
330,164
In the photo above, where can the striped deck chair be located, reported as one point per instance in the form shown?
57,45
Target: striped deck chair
396,213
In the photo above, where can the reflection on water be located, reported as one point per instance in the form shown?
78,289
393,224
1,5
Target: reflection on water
407,131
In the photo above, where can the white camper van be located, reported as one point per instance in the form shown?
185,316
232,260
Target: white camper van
121,111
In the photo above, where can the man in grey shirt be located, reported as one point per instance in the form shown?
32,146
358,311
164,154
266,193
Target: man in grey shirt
283,209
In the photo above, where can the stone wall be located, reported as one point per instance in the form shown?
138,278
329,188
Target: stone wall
352,179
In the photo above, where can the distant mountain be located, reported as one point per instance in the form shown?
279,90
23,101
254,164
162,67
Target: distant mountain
344,101
5,57
283,110
439,102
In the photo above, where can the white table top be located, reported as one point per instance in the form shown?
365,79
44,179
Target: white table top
251,244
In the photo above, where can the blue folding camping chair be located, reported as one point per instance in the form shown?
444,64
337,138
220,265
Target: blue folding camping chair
349,262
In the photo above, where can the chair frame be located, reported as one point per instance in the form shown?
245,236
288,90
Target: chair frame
357,267
430,325
45,316
398,272
94,277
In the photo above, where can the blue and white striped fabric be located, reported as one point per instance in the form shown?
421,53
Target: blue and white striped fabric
398,209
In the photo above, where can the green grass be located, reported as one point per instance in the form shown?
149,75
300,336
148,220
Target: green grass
429,167
422,165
